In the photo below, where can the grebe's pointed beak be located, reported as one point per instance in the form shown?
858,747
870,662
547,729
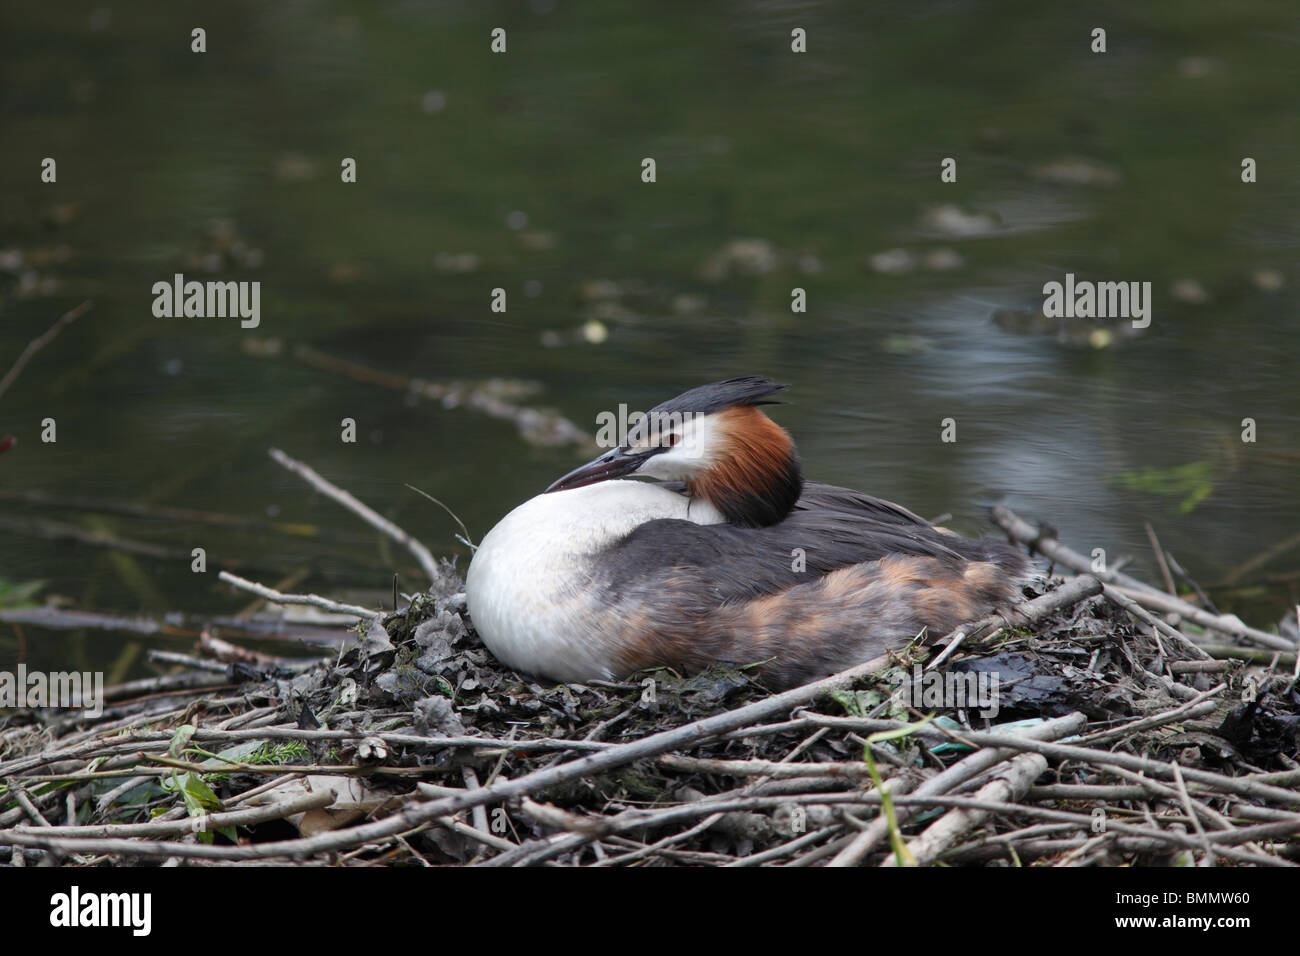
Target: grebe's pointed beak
612,464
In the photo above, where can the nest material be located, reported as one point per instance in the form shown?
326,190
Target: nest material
416,746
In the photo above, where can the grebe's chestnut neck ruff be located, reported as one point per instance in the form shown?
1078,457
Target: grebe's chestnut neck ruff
728,556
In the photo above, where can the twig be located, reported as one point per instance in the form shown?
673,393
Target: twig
1130,605
211,821
963,770
1040,540
42,340
1008,786
1160,559
315,600
24,801
371,517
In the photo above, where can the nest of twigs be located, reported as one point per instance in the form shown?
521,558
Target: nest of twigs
1165,759
1112,735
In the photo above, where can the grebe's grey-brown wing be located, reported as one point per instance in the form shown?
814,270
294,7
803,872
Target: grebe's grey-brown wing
809,596
821,497
844,577
840,505
721,563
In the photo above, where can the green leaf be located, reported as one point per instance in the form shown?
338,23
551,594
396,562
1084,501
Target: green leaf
180,739
856,703
902,855
240,753
19,593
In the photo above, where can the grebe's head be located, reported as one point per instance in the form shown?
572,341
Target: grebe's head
716,440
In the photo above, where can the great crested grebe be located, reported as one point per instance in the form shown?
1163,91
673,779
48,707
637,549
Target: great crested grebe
731,557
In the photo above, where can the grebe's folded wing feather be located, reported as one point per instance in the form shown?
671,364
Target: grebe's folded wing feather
830,528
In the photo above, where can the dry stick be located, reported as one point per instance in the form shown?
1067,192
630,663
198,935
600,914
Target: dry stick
1007,787
374,519
315,600
1221,839
1030,612
1198,706
1041,540
1037,849
785,849
1194,808
211,821
482,836
866,841
1225,623
534,426
42,340
1190,581
132,743
709,821
1200,667
1262,789
187,660
1160,559
1150,598
478,814
1249,654
24,801
663,846
636,818
539,851
766,768
1109,792
1142,614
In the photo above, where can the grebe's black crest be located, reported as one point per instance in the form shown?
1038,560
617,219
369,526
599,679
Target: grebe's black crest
718,396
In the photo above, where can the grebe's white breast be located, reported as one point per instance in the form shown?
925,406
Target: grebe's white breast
528,585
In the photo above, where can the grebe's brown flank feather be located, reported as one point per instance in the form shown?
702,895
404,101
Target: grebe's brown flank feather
874,576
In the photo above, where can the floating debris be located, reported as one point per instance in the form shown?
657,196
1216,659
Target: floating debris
892,262
745,257
458,262
907,344
942,259
952,220
1189,291
294,167
1076,171
594,331
1268,280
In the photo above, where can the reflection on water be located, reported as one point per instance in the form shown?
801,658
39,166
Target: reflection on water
521,172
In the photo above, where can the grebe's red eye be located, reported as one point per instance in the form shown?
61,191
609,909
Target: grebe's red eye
672,439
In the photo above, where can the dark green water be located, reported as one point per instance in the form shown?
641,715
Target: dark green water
521,171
